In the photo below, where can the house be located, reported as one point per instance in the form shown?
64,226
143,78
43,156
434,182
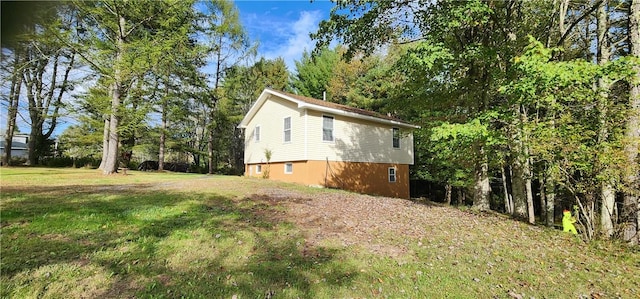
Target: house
19,147
318,143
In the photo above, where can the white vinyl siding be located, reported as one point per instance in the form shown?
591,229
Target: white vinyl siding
270,118
356,141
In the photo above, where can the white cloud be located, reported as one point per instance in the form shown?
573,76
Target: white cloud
290,39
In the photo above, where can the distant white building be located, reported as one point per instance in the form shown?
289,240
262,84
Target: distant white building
18,145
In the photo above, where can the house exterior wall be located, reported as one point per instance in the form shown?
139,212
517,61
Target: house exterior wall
357,140
358,159
362,177
270,118
18,146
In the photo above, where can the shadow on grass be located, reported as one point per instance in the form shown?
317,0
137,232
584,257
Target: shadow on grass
156,243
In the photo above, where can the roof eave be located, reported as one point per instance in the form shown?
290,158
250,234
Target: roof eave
304,105
254,109
356,115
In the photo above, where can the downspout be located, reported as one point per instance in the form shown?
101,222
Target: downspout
306,139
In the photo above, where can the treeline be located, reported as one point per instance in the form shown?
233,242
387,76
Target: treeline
525,107
163,80
540,99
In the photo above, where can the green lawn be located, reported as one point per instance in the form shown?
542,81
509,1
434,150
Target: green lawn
74,233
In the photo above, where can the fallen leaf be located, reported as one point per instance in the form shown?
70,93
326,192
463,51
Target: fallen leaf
515,295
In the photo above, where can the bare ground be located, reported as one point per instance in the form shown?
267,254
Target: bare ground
369,221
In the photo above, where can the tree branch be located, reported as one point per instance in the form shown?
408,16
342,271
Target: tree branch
578,20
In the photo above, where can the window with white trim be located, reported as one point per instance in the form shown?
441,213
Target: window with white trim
258,168
256,133
327,128
396,137
287,129
392,175
288,168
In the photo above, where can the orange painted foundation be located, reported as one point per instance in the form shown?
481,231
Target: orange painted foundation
361,177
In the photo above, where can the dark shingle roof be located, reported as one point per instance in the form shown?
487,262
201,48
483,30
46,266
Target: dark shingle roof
338,106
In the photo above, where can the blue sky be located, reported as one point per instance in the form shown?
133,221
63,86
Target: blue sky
282,27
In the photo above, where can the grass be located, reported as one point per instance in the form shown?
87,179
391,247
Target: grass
69,233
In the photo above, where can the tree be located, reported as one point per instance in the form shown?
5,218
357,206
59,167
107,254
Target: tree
242,86
313,72
84,139
118,40
227,41
631,207
28,30
365,82
13,99
607,191
469,64
176,70
47,75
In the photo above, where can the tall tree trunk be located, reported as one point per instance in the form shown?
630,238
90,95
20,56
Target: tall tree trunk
550,194
518,189
12,109
447,195
105,143
521,179
111,164
508,201
163,128
210,146
163,135
213,107
522,189
482,189
543,198
529,188
30,74
607,192
631,203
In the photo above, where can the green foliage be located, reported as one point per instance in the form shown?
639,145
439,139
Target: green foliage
82,140
313,73
268,153
566,132
242,86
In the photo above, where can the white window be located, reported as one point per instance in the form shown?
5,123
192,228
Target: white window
287,129
396,138
288,168
327,128
258,168
392,174
256,133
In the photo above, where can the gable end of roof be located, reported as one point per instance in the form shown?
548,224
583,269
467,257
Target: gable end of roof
324,106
